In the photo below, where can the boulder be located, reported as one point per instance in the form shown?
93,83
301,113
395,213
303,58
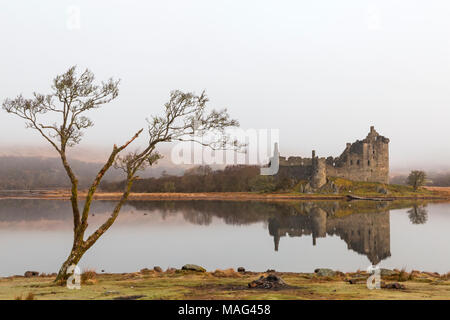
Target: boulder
193,267
357,280
30,274
387,272
272,281
324,272
241,269
157,269
394,285
382,190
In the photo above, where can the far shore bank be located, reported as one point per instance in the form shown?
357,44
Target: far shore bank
437,193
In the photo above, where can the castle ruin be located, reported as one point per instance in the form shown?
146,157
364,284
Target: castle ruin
363,160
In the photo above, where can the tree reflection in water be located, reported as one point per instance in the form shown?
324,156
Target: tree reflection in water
418,214
363,225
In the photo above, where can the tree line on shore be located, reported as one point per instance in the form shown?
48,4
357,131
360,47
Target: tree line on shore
233,178
30,173
245,178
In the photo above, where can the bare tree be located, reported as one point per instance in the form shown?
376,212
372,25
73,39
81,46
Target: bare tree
185,118
416,179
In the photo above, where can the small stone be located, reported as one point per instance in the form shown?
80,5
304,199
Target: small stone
324,272
193,267
241,269
157,269
107,293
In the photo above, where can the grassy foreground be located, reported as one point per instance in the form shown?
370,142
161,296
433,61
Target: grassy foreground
226,284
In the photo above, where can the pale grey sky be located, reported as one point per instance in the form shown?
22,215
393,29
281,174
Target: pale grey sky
320,71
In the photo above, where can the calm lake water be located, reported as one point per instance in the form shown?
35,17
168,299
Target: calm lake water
297,236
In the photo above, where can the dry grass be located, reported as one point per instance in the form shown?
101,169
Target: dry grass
29,296
227,273
441,190
89,276
446,276
226,284
403,275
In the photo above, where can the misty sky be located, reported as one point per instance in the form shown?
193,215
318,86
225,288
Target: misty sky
321,71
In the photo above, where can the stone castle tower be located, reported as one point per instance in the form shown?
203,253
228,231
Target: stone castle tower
363,160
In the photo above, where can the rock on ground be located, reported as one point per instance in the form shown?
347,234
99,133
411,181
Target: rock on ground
387,272
394,285
272,281
193,267
30,274
323,272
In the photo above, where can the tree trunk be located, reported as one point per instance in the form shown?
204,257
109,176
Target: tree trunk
80,246
75,256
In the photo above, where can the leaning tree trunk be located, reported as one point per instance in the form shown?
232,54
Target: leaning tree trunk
80,245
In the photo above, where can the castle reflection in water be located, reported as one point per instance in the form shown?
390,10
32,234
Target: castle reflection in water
365,233
363,225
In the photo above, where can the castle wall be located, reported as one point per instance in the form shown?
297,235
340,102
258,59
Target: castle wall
319,173
364,160
299,172
298,167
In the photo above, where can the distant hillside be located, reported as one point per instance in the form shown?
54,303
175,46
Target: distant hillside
23,173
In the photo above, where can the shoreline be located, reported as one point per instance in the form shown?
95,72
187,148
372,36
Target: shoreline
439,195
176,284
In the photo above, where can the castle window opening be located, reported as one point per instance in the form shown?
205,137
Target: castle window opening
368,162
358,162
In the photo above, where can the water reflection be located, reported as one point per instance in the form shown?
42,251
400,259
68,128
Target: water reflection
365,227
365,233
418,214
